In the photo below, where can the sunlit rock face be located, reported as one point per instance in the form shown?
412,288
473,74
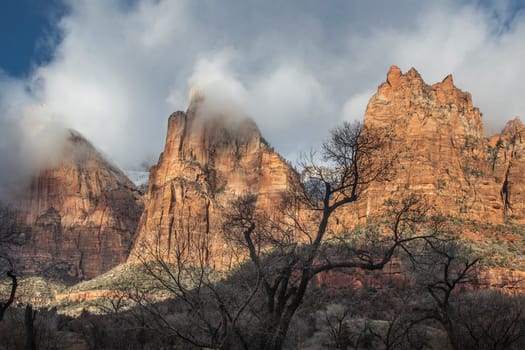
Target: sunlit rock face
209,160
442,153
76,220
507,162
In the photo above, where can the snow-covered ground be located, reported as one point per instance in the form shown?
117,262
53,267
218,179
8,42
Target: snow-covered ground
139,178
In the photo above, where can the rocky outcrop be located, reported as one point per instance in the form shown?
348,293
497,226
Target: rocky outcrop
77,219
507,162
510,281
209,160
440,146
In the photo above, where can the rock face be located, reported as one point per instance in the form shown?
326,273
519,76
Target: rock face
208,161
77,220
442,152
437,134
507,162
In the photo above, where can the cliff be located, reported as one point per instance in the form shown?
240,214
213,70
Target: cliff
507,162
81,218
76,220
442,152
209,160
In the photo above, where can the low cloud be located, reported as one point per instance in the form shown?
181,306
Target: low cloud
31,141
299,70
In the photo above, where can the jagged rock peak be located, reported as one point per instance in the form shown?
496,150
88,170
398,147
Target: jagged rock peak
414,74
77,218
448,81
393,75
512,126
395,78
202,136
210,158
440,141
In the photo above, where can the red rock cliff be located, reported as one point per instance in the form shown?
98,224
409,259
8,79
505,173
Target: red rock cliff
507,161
437,135
442,152
208,161
77,220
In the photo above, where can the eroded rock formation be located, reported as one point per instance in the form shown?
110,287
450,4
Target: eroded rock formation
436,133
76,220
507,161
79,219
208,161
442,152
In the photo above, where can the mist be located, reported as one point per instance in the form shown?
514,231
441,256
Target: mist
30,140
298,69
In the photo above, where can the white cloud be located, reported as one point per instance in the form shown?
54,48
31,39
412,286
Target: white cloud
355,107
121,70
213,77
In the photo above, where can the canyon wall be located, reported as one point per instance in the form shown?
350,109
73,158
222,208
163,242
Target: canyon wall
442,152
76,220
209,160
79,219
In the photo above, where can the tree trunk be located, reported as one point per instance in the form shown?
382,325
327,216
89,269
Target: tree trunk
14,285
279,333
29,321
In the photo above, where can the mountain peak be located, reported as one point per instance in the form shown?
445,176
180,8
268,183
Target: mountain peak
448,81
512,126
396,79
209,160
413,73
434,128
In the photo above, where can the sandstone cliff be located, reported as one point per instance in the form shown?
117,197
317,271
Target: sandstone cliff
442,152
208,161
436,132
76,220
507,162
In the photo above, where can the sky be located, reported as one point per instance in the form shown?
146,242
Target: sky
115,70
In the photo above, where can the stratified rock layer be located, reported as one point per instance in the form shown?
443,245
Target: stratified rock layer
208,161
436,133
507,161
77,220
441,149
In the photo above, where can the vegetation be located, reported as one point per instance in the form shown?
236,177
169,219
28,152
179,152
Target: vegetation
400,307
400,281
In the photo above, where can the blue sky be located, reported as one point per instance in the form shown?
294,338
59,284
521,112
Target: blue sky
115,70
25,29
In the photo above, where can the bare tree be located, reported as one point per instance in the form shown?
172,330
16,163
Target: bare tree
14,285
343,333
287,256
442,269
490,320
8,236
205,311
254,306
